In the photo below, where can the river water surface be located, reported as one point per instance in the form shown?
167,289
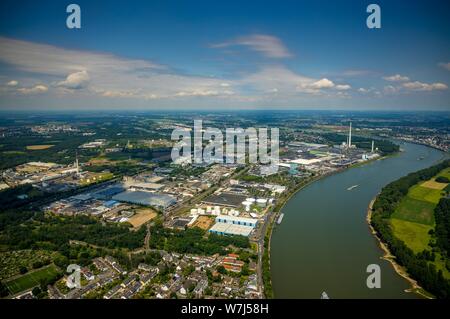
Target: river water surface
324,243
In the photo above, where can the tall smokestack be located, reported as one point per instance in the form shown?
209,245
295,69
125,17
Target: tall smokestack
76,164
350,136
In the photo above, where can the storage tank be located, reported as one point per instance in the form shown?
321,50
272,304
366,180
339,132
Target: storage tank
261,201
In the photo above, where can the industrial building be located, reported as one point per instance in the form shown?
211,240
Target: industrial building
225,199
236,220
232,225
107,193
147,187
160,201
231,229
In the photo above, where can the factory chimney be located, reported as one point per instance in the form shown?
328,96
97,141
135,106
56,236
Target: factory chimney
350,136
77,166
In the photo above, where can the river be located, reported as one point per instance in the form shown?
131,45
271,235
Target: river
324,243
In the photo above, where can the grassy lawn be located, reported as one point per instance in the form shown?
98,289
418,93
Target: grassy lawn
424,193
31,279
414,235
414,210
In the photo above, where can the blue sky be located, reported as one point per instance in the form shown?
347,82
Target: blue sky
230,54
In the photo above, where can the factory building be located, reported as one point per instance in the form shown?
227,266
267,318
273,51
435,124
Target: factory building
160,201
237,220
232,225
231,229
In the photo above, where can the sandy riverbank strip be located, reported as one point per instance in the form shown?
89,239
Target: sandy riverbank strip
400,270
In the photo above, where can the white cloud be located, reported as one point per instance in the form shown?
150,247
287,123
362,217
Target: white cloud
121,94
75,81
396,78
343,94
288,84
51,60
267,45
106,74
322,84
420,86
343,87
445,65
275,76
197,93
12,83
33,90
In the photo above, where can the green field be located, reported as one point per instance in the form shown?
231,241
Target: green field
31,279
414,210
414,218
445,173
424,193
11,261
415,235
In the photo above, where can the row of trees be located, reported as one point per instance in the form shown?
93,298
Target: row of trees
417,265
52,232
266,274
442,229
392,193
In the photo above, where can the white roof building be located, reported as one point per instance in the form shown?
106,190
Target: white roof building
231,229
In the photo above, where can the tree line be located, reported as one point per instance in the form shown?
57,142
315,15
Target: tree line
442,229
54,233
417,265
193,241
384,146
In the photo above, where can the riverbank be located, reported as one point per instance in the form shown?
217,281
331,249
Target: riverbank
268,236
388,256
269,232
311,234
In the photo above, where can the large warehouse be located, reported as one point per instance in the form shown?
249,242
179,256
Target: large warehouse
160,201
231,229
225,199
236,220
232,225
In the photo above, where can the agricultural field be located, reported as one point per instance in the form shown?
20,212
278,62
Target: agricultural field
434,185
426,193
38,147
31,279
415,235
414,217
415,210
